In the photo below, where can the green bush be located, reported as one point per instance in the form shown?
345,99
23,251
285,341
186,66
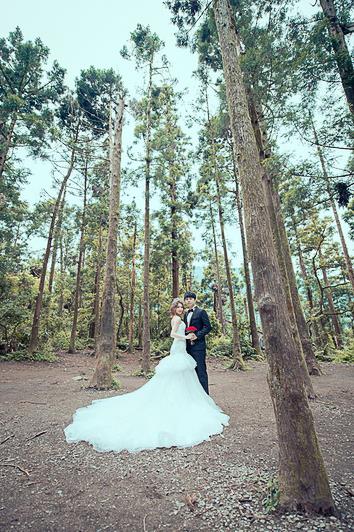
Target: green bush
222,347
161,347
346,355
21,356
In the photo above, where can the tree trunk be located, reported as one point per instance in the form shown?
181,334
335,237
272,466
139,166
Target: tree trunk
238,362
341,52
140,325
122,312
33,344
174,240
251,312
297,318
348,262
97,288
308,351
106,341
79,268
335,321
145,363
318,336
56,243
302,476
132,294
219,306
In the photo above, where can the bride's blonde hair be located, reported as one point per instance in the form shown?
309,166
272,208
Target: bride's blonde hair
174,305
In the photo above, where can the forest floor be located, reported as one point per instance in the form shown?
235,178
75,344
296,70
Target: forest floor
48,485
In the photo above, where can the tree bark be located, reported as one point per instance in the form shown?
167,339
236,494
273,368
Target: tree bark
79,268
132,294
250,304
33,344
317,327
299,326
97,289
341,52
145,363
174,240
238,362
335,321
106,341
220,312
56,243
303,479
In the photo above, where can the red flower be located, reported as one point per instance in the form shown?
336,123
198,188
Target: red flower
191,329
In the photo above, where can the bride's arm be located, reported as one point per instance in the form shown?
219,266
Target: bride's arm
175,324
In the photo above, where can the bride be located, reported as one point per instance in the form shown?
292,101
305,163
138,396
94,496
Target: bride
171,409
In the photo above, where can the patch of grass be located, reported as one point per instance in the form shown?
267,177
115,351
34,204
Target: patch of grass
140,373
116,385
116,367
271,500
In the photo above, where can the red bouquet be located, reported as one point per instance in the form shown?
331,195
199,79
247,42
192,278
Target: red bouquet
191,329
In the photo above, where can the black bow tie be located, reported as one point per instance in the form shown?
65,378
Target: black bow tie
190,310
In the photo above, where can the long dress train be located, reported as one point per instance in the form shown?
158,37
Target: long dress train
171,409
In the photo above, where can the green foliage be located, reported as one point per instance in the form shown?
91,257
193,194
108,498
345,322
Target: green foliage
346,355
222,346
23,356
271,500
116,385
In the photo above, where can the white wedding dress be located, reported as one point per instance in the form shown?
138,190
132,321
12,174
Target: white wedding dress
171,409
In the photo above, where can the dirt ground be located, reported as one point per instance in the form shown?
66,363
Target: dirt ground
49,485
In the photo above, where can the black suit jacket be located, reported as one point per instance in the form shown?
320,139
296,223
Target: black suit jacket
200,320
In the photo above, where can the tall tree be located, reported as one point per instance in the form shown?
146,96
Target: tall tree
340,48
106,341
302,475
26,92
146,46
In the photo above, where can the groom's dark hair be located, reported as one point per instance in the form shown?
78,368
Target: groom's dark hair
190,294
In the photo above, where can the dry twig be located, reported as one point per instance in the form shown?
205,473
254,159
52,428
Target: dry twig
17,467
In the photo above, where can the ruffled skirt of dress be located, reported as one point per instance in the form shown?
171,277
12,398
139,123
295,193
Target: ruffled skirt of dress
171,409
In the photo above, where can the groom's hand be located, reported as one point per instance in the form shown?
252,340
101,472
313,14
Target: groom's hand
193,336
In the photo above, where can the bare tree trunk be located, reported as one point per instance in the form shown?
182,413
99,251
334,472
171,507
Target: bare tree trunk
33,344
174,240
302,476
299,326
238,362
79,268
132,293
62,269
140,325
314,322
335,321
56,242
122,312
341,52
97,300
348,263
219,307
308,351
145,363
106,341
251,312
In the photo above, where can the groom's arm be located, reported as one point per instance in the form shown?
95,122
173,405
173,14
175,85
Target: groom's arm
206,327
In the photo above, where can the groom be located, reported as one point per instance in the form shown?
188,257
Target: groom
197,317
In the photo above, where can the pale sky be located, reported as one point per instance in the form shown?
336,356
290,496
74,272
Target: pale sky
83,33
